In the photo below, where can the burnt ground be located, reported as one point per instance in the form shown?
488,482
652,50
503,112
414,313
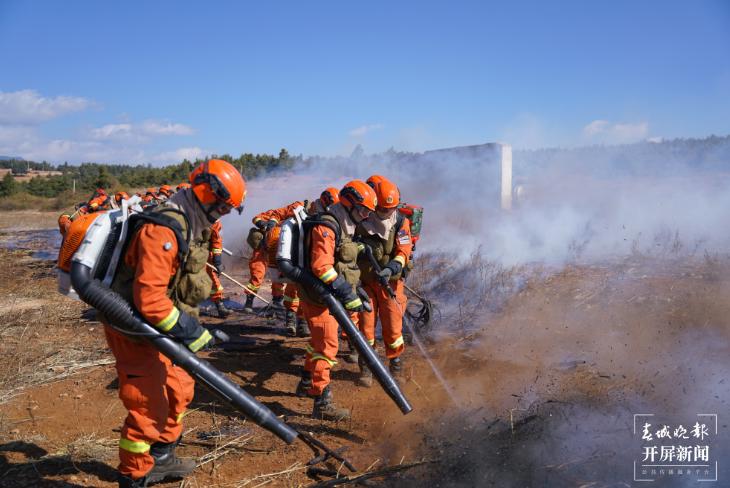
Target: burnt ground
545,383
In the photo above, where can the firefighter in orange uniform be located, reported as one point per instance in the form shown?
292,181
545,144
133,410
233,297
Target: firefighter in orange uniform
165,192
98,201
257,264
216,255
333,259
166,294
387,232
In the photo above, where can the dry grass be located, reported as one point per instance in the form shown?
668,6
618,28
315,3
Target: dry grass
464,290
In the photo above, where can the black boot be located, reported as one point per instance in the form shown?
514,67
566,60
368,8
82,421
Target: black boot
248,307
291,323
127,482
223,312
325,408
167,464
302,328
352,356
277,304
396,368
366,376
305,383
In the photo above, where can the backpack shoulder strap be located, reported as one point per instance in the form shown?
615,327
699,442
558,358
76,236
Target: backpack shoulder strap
159,217
326,219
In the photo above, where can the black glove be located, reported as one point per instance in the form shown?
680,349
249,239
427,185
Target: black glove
270,224
261,224
218,262
189,331
392,268
366,305
342,290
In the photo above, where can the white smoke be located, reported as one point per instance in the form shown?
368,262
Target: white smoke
565,210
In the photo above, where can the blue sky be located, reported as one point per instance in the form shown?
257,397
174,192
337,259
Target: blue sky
153,81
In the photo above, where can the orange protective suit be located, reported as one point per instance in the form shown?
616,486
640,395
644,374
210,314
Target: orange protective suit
388,310
216,249
154,391
259,260
323,343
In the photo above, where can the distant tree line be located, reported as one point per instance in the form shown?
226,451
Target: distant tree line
89,176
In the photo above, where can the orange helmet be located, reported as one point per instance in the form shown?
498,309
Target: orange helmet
386,191
121,195
182,186
216,182
374,179
151,191
166,190
329,197
357,192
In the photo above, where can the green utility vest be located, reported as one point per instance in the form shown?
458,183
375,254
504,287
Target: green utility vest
191,283
345,256
383,251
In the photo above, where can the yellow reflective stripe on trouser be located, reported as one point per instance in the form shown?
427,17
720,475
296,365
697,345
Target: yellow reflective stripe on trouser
180,416
371,342
290,299
309,349
216,250
328,276
398,342
200,341
318,356
138,447
252,287
169,322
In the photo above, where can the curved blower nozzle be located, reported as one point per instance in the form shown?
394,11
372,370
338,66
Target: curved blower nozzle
120,314
380,372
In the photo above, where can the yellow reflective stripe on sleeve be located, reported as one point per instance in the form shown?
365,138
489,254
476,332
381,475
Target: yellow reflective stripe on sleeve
257,219
274,219
398,342
329,276
400,259
137,447
200,341
318,356
360,247
169,322
353,303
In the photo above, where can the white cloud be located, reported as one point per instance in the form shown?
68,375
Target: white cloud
189,153
27,107
140,132
364,129
615,133
112,131
157,128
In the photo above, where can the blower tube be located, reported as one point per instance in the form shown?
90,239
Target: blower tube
120,314
381,373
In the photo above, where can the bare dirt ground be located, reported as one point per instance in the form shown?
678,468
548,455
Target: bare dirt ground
544,383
